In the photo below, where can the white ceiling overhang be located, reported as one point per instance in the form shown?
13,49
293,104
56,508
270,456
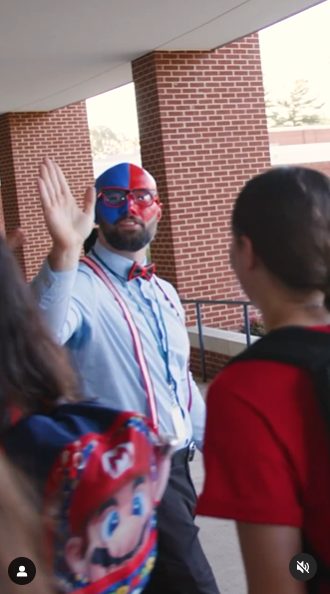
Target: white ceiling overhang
57,52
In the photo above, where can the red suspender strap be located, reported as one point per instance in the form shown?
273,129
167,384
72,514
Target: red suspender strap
135,336
183,322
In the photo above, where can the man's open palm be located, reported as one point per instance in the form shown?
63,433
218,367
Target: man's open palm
68,224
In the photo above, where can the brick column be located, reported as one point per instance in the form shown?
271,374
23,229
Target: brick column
203,133
2,225
25,138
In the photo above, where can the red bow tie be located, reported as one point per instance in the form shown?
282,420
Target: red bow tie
138,271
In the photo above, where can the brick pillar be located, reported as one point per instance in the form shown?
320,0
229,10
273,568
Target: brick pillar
25,138
2,225
203,133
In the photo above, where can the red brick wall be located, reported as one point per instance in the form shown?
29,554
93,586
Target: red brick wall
1,214
203,133
214,362
25,138
299,135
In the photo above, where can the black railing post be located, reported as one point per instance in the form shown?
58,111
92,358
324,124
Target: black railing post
201,341
247,324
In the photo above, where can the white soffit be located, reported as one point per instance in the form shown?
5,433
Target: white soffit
57,52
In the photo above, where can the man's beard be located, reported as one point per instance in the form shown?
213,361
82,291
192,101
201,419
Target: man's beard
125,240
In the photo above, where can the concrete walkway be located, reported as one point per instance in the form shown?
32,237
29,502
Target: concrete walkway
219,540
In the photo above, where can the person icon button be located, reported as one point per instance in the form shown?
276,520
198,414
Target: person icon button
22,571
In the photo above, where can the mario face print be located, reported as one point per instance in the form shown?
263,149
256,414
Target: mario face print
115,533
100,508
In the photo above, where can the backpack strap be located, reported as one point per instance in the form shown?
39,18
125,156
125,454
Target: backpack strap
298,346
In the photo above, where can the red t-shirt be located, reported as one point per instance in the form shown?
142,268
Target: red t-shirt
266,451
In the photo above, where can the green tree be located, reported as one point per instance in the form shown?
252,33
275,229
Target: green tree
105,141
297,109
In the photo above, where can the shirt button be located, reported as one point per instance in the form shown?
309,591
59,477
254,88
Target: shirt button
47,283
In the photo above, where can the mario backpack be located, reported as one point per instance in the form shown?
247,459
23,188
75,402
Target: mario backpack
308,350
101,474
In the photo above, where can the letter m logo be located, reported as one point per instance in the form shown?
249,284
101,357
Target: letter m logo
117,461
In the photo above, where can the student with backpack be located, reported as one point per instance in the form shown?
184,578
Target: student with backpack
99,473
266,452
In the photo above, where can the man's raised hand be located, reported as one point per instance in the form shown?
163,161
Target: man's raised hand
68,224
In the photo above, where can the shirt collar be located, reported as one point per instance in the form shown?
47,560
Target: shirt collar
118,264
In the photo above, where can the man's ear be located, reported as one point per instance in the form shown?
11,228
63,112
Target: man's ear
73,554
249,255
96,221
160,211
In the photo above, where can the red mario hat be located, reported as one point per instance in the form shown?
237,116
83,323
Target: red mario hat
111,462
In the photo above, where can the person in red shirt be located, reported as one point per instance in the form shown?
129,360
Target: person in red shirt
266,452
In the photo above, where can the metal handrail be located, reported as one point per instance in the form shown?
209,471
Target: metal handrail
198,303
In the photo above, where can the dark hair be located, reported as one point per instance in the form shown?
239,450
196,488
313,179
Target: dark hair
285,212
90,241
34,370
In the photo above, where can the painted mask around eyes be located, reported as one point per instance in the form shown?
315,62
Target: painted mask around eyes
126,190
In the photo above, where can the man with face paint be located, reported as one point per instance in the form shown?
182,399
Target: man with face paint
125,329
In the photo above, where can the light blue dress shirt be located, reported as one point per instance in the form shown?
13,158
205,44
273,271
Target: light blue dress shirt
83,314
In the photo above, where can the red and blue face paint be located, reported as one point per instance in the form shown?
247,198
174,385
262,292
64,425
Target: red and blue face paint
126,190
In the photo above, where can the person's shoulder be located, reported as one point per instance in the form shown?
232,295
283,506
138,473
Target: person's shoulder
237,369
35,442
30,432
165,284
84,271
251,380
32,444
86,281
168,288
66,423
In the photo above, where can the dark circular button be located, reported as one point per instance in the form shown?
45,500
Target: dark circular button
303,567
22,571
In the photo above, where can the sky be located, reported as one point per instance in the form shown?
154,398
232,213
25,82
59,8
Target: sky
115,109
297,48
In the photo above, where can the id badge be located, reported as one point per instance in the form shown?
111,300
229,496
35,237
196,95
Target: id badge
178,423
